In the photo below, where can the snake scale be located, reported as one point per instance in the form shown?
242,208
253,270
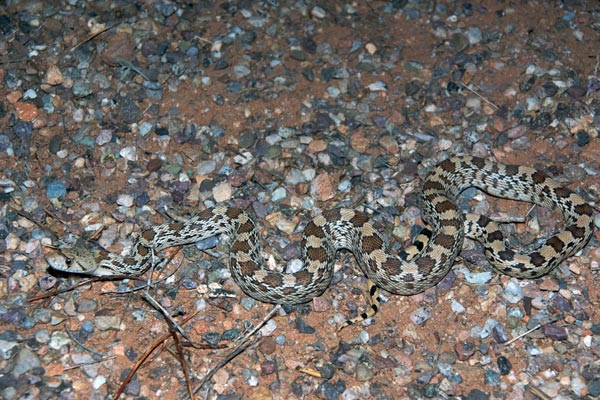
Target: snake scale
413,270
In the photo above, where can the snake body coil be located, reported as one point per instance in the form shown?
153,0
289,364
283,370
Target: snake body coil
411,271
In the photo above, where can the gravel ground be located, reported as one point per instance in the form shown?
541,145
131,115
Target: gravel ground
113,111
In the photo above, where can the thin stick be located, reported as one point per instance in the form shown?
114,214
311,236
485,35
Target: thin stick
239,349
513,219
244,343
93,35
89,363
538,326
261,323
84,282
145,356
72,336
522,334
480,96
184,365
538,393
165,313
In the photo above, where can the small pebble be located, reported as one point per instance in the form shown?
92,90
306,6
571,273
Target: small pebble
212,338
8,348
269,328
125,200
251,378
222,192
302,327
594,387
268,367
478,278
555,332
377,86
29,94
247,139
129,153
107,322
476,394
513,292
420,315
53,75
504,365
145,128
104,136
278,195
464,350
154,165
55,189
457,308
240,71
487,329
25,361
492,377
579,387
364,372
99,381
318,12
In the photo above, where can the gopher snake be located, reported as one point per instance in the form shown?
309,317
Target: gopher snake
413,270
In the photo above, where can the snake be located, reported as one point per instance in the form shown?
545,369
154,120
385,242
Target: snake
409,271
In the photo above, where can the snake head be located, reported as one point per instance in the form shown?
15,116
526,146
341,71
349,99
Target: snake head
78,259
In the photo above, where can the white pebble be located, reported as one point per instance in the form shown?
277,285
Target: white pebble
378,86
533,104
252,380
62,153
79,162
78,115
222,192
145,128
530,70
206,167
318,12
201,305
420,315
444,144
457,308
32,245
104,136
309,174
513,291
285,225
268,328
125,200
294,265
333,91
128,153
244,158
279,194
99,381
29,94
474,103
12,241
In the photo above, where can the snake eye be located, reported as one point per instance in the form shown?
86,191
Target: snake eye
68,261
